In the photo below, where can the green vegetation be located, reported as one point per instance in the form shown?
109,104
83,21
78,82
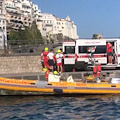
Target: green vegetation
29,36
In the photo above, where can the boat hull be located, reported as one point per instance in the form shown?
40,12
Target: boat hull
31,87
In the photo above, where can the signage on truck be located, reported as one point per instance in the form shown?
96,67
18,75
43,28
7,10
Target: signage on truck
90,42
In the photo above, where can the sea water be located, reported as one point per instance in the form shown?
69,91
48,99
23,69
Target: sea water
84,107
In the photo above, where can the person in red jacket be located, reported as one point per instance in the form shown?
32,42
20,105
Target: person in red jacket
45,58
109,52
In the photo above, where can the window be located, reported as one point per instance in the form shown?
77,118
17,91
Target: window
98,50
69,49
82,49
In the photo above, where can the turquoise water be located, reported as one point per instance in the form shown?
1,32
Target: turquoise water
85,107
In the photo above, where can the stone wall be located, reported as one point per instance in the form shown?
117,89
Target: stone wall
20,64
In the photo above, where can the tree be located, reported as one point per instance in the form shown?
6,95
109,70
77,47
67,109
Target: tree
13,37
29,36
36,35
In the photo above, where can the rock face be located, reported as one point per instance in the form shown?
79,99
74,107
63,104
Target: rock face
20,64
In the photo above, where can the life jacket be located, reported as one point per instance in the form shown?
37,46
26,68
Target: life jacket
45,59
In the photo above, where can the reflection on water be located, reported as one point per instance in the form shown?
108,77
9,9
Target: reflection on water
89,107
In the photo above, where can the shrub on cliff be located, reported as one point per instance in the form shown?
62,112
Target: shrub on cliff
28,36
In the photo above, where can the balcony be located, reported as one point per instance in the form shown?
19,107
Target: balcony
16,1
16,21
15,26
49,25
13,12
10,6
26,6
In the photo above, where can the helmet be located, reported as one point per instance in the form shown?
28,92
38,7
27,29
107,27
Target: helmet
45,69
58,51
55,72
46,48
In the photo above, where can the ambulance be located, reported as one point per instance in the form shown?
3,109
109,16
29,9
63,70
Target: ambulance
79,53
69,55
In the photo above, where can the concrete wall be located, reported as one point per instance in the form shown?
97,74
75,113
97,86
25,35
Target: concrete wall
20,64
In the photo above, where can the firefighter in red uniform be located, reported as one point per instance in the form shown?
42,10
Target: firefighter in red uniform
45,58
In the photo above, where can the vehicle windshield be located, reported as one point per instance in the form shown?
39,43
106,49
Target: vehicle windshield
69,49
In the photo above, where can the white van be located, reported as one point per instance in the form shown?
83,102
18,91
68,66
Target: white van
69,55
83,55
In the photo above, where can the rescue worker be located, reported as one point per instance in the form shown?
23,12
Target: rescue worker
59,58
42,63
44,56
55,62
51,59
47,71
46,75
109,52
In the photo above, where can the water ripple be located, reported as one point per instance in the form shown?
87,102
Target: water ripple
99,107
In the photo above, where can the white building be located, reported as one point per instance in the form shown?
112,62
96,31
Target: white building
55,25
24,12
36,12
3,33
19,13
26,7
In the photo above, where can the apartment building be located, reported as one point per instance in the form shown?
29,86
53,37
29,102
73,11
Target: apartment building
13,14
3,33
20,13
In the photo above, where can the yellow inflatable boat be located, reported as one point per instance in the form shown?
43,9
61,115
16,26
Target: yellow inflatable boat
57,86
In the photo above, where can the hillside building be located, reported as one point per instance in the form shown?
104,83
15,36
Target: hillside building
54,26
3,33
